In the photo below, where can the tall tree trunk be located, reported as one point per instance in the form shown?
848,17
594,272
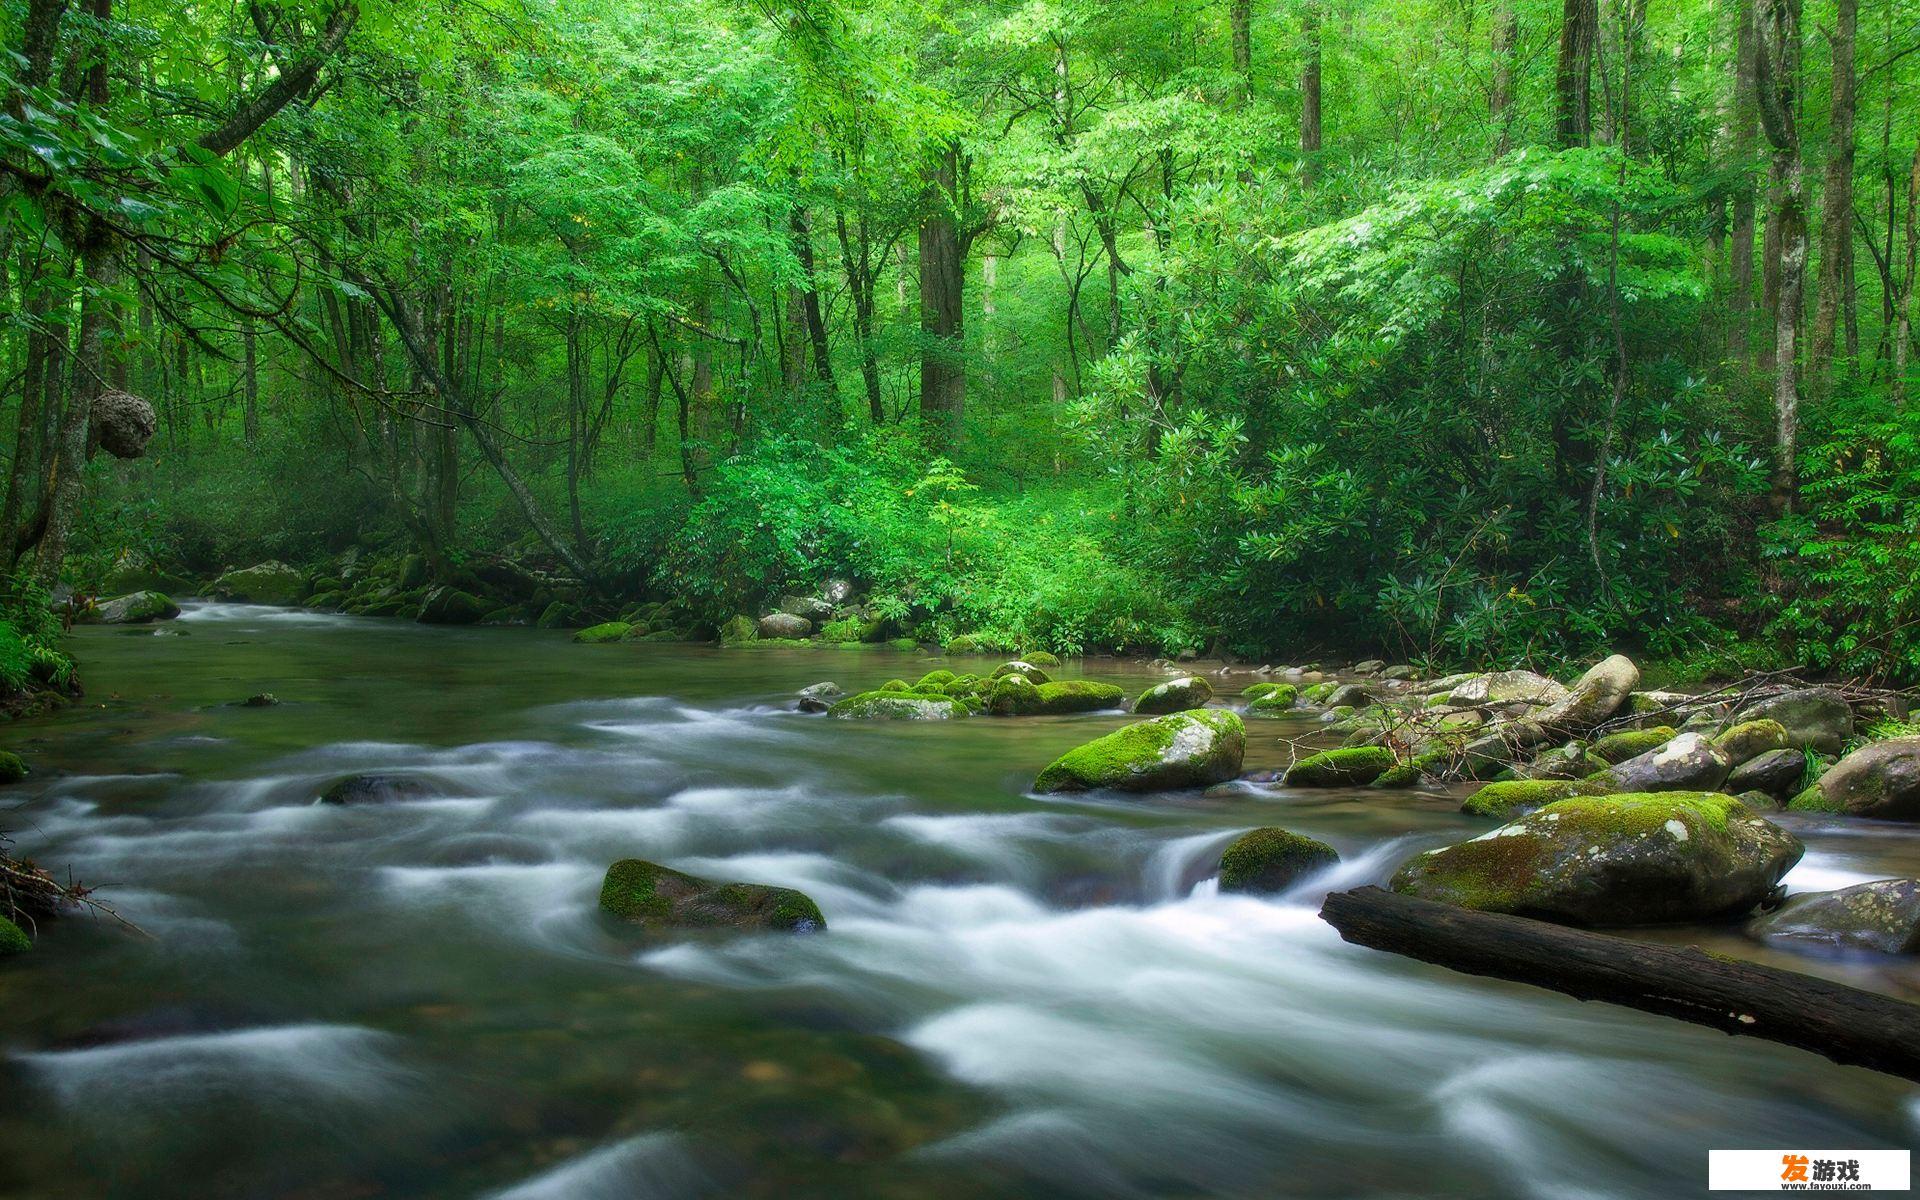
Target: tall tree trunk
943,380
1836,202
1506,47
1310,84
1903,318
810,306
1573,78
1779,37
1240,18
1744,131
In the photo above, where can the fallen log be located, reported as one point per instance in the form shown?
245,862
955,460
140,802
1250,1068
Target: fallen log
1845,1024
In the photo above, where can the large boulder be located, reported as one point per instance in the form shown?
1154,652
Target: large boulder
1031,671
1631,743
897,705
1637,859
1272,860
1688,763
813,608
139,608
133,571
783,625
451,606
1777,773
1880,780
1508,687
1597,696
1883,915
265,583
1175,695
1509,798
1181,750
1355,766
1814,718
654,897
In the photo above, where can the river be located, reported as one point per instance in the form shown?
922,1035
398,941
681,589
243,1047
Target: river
1017,997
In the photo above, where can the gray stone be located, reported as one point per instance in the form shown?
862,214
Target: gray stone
1777,773
1815,719
1883,916
783,625
1688,763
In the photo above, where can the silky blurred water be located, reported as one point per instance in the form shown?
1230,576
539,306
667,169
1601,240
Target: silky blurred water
1018,996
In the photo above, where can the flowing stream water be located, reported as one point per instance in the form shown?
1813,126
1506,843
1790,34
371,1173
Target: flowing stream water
1017,997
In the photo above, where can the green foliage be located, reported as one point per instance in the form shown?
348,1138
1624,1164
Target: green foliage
30,652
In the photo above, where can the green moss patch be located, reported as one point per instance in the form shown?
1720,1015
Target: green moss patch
1352,767
1272,860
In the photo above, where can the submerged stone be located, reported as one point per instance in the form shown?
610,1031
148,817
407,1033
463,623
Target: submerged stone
1181,750
377,789
1175,695
651,896
1272,860
1882,916
897,705
602,634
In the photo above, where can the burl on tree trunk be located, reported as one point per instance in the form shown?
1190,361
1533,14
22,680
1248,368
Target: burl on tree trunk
1846,1024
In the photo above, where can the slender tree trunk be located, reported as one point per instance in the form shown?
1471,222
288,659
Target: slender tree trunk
1310,84
1779,34
1240,18
1836,203
1903,318
1744,133
810,306
1573,78
943,380
1506,42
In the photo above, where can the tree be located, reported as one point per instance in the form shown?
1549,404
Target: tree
1836,200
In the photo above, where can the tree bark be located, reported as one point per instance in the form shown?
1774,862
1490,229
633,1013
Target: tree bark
1836,202
1506,46
1903,317
1240,18
943,380
1573,78
287,86
1310,131
1744,132
1845,1024
810,306
1779,40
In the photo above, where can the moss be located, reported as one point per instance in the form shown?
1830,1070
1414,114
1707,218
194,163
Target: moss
1079,695
630,891
1187,749
1503,800
610,631
1314,693
738,631
905,645
1644,812
1175,695
1022,667
13,940
1412,771
1013,696
1280,698
12,767
895,685
1619,747
1272,860
1750,739
1352,767
648,894
1042,658
935,680
1814,800
1254,691
898,705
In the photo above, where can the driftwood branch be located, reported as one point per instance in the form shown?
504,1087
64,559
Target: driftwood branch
1845,1024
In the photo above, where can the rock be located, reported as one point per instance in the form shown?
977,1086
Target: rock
1633,859
1883,916
603,633
896,706
1369,666
1777,773
557,615
413,572
1880,780
1572,761
1031,671
1272,860
266,583
121,423
975,643
377,789
1181,750
1013,695
656,897
139,608
837,591
451,606
1401,673
783,625
13,768
1507,799
1507,687
1597,696
814,609
1272,700
1814,718
1688,763
1175,695
1619,747
1043,658
1750,739
259,700
1348,695
739,630
819,697
1353,767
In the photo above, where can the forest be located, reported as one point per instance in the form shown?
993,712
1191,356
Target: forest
1468,330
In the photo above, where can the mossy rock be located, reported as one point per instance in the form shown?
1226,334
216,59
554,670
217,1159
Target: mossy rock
1635,859
1079,695
977,643
1879,780
1277,701
905,645
1254,691
13,939
135,608
12,767
1022,667
600,635
1505,800
739,630
1750,739
557,615
1013,696
936,680
1181,750
451,606
376,788
1042,658
901,705
1881,916
1316,693
1272,860
1353,767
266,583
1619,747
656,637
1175,695
636,892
